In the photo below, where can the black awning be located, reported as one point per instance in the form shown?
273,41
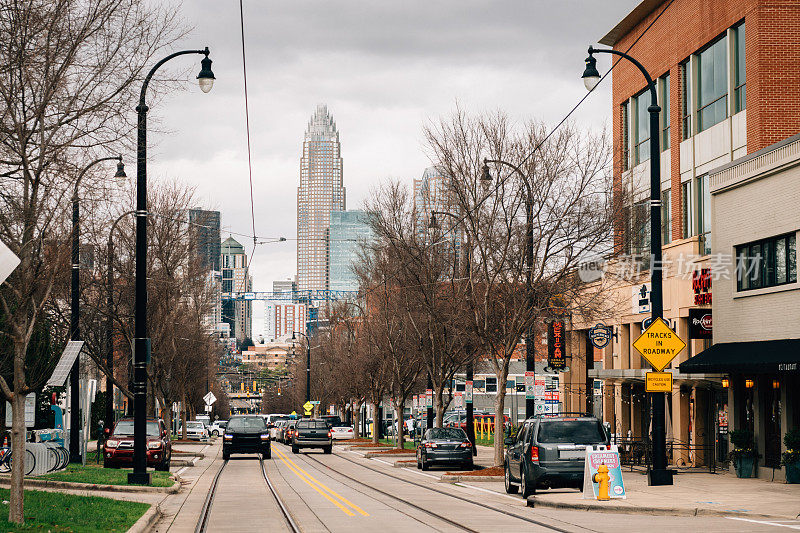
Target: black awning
758,357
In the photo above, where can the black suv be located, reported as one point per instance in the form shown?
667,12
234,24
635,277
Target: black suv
246,434
312,433
549,450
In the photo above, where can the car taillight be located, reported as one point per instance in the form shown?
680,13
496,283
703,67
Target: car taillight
466,444
534,453
430,445
330,434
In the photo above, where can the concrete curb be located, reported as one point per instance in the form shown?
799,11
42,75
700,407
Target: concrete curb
183,462
405,464
147,520
32,482
463,479
187,454
641,509
370,455
366,449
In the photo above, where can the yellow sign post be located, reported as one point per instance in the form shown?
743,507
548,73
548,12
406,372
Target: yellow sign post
658,382
308,407
659,344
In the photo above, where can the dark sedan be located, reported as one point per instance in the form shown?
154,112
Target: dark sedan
444,446
246,434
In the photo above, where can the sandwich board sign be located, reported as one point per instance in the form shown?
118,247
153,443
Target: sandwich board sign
609,456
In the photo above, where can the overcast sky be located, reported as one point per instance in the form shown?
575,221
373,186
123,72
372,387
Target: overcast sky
384,68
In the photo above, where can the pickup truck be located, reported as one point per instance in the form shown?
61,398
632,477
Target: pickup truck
312,433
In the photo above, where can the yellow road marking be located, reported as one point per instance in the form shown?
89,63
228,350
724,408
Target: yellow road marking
317,485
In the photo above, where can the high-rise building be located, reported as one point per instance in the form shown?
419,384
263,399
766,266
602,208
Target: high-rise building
282,319
321,191
236,279
347,233
284,286
204,234
431,195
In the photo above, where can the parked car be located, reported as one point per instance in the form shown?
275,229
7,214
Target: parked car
274,431
118,450
246,434
342,432
217,428
332,420
194,430
548,452
312,433
444,445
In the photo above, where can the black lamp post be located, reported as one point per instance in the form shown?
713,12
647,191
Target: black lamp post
530,352
141,352
74,381
308,362
658,474
110,323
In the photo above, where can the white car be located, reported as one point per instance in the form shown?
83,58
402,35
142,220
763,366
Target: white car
194,430
218,427
342,433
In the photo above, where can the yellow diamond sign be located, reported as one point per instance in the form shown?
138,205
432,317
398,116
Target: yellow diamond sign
308,406
659,344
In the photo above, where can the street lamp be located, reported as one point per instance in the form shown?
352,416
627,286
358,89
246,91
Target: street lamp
658,475
308,362
141,355
530,353
74,381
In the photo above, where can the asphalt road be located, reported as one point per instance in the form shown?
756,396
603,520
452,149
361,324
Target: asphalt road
345,492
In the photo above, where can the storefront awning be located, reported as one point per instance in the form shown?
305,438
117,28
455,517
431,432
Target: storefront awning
757,357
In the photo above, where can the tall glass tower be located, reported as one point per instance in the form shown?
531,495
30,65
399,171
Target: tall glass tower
321,192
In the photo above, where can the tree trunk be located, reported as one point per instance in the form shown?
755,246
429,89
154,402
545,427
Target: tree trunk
439,407
15,508
375,422
357,421
499,419
398,409
183,417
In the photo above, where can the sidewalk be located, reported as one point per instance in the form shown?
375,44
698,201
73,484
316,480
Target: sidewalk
692,494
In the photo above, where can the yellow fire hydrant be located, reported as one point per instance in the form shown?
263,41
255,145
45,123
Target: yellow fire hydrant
602,478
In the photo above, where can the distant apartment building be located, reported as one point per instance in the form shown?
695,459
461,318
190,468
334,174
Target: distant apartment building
347,233
236,279
284,286
267,356
204,227
321,191
282,319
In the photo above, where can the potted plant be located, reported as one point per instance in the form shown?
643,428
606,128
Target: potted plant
791,457
744,454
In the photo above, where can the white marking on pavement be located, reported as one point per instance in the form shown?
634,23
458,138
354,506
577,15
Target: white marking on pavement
765,522
181,471
516,499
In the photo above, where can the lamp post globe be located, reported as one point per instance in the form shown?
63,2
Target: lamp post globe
591,77
206,77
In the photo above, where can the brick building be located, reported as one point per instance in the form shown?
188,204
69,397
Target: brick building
727,85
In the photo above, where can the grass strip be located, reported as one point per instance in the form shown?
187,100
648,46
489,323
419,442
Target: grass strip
96,474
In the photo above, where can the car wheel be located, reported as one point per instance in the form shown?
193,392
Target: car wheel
425,464
163,466
527,488
511,488
328,449
268,453
295,449
226,455
469,465
215,433
419,465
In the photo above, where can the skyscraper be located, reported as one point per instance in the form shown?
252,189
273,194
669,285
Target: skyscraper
321,191
347,233
431,194
236,279
204,233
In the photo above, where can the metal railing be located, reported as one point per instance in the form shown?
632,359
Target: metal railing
637,452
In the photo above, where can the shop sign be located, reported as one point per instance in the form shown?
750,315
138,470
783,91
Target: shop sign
700,324
556,357
600,335
468,391
701,286
659,344
658,382
640,298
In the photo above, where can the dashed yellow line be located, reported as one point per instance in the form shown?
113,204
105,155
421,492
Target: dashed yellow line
330,495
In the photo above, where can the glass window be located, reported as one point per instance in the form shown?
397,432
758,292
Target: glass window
686,100
666,216
641,149
125,428
625,136
491,384
767,263
246,423
740,72
712,85
703,218
571,431
664,115
686,210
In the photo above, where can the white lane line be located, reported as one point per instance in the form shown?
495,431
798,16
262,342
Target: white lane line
764,522
516,499
181,471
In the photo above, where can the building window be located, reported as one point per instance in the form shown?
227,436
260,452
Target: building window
666,216
766,263
625,136
665,120
712,85
686,210
641,139
686,100
703,218
739,72
491,384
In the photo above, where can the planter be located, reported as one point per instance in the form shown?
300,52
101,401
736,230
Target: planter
744,466
793,472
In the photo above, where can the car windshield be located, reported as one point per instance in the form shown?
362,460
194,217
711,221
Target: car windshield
447,434
246,423
194,425
571,431
125,428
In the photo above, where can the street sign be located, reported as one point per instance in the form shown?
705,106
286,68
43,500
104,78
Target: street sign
209,398
8,262
314,402
468,391
658,382
659,344
530,391
429,398
308,407
459,397
30,411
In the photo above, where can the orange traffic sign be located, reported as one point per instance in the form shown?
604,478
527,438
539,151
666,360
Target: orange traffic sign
659,344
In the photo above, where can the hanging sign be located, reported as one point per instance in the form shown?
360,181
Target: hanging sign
556,354
640,298
700,324
600,335
701,286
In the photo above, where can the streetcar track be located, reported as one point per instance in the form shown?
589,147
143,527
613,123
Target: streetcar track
467,500
205,512
300,497
394,497
286,514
